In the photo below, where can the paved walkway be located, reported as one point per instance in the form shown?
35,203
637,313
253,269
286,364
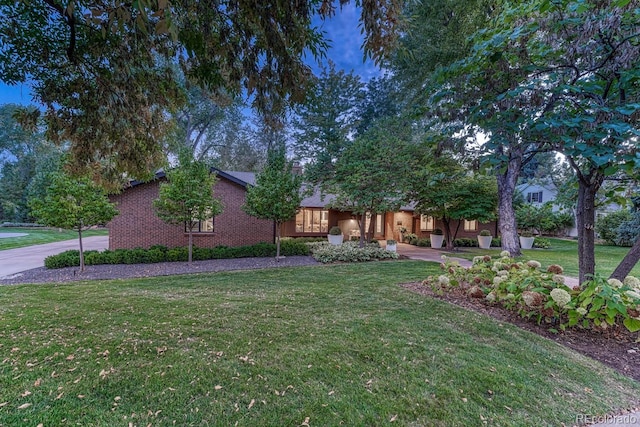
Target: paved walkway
14,261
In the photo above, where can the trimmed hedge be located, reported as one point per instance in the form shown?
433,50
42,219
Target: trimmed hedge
159,253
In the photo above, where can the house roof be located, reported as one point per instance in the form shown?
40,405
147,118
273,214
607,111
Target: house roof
244,179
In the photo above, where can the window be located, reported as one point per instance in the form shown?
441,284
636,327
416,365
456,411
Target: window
470,225
534,197
205,226
426,223
312,221
379,226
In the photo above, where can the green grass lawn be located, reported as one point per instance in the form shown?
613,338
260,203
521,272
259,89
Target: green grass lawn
36,236
316,346
565,253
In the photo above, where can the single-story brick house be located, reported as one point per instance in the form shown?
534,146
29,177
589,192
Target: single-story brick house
138,226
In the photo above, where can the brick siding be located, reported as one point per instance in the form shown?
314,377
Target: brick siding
137,225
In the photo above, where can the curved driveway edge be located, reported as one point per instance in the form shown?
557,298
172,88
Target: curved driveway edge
14,261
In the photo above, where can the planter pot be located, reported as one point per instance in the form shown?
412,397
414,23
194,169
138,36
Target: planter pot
436,240
392,248
335,239
484,241
526,242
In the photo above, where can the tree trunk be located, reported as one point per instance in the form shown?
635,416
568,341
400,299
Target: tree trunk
277,242
506,214
81,249
447,233
588,186
372,225
190,246
363,221
628,262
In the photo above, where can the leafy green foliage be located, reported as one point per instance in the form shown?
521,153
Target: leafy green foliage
276,195
187,196
105,72
163,254
607,227
542,218
447,192
543,295
349,252
75,204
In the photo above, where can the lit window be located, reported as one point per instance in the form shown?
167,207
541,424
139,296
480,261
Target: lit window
426,223
205,226
312,221
379,225
470,225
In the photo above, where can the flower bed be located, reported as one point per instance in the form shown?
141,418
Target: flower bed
543,295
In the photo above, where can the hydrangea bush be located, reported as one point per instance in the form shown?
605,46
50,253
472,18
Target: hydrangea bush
348,252
542,294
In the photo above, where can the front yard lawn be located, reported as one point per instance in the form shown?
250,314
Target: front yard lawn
565,253
317,346
37,236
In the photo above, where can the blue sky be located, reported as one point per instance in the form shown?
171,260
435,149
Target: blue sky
345,52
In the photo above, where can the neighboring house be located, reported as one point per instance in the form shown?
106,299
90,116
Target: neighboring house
540,193
138,226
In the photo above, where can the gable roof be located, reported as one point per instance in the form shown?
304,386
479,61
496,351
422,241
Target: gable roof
241,178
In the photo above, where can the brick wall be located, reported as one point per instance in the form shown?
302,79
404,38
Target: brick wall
138,226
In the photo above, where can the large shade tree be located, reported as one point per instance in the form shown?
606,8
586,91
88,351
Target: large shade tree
579,65
104,73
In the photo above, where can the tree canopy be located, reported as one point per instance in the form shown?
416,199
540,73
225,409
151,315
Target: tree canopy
104,71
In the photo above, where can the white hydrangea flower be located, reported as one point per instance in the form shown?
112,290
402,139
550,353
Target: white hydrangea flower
560,296
498,279
443,280
444,257
498,265
615,283
632,282
477,259
533,264
558,279
505,254
491,296
495,270
503,273
510,296
581,311
633,294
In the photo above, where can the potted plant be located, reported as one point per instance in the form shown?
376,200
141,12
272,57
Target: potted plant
335,235
392,245
484,239
436,238
526,240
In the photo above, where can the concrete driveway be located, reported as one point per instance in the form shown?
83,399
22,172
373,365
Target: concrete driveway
14,261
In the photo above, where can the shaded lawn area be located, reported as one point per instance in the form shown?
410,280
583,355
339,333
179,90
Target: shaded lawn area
565,253
37,236
324,346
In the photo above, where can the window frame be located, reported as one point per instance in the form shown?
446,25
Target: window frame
424,223
468,223
307,213
197,228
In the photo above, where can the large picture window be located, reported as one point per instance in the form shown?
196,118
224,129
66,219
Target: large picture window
470,225
426,223
312,221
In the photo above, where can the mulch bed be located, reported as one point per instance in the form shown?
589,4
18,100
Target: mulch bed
127,271
617,349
